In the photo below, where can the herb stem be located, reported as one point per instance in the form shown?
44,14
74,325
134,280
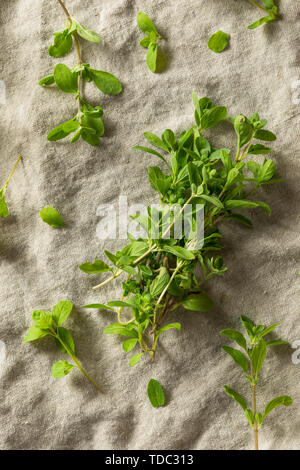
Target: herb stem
258,6
255,428
75,35
11,174
78,363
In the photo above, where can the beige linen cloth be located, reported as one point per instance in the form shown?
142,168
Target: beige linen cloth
258,72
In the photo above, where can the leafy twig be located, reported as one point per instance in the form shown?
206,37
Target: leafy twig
253,361
87,123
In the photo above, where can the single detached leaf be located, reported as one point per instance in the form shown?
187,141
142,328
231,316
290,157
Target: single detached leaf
151,58
61,311
117,329
283,400
198,302
50,216
218,41
156,393
34,333
63,130
85,33
236,396
106,82
96,267
145,24
236,336
238,357
258,356
129,344
135,359
61,368
3,207
65,79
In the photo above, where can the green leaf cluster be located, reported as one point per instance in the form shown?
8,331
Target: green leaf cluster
150,41
166,270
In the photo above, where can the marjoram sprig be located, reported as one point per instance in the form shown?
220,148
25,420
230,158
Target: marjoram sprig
160,268
87,123
251,361
50,324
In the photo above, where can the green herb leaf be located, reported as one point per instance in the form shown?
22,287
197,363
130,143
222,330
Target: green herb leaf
117,329
46,81
106,82
135,359
50,216
85,33
180,252
61,311
63,43
160,282
3,207
238,357
99,306
218,41
282,400
236,336
236,396
35,333
61,368
66,339
129,344
155,393
63,130
152,57
145,24
258,356
65,79
198,302
96,267
175,326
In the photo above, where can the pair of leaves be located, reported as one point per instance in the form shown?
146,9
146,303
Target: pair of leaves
63,40
150,41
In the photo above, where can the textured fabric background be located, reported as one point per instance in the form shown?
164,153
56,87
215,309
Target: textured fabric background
39,264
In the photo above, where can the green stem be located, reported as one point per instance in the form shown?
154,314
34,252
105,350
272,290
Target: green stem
78,363
258,5
75,35
11,174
